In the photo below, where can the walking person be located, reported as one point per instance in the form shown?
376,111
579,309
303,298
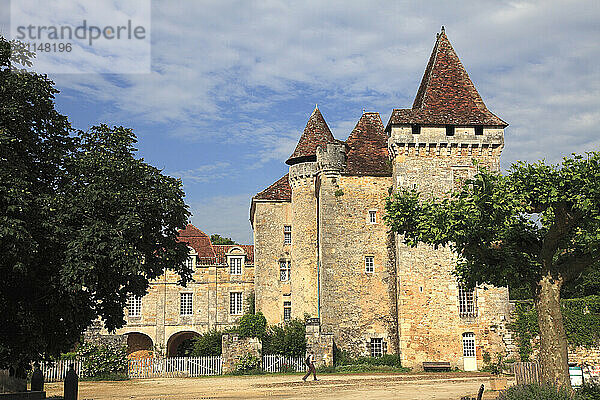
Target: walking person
310,364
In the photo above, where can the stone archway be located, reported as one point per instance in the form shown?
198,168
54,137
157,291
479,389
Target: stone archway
137,341
177,339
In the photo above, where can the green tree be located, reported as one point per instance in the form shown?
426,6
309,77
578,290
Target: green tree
252,325
83,223
288,339
215,238
538,224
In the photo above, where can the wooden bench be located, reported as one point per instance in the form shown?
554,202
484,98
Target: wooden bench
436,366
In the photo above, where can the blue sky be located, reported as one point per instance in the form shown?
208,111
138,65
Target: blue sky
233,83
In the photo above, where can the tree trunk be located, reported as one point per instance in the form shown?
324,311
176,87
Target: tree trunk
553,339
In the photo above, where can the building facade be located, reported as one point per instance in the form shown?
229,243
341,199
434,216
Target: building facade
323,250
169,314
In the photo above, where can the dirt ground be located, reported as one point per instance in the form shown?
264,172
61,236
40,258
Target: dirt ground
448,386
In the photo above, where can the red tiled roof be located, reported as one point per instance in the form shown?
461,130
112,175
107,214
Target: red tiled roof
198,240
315,133
367,148
222,249
279,190
446,94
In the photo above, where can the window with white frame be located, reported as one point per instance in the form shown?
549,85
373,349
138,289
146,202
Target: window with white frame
134,306
287,310
376,347
467,302
372,216
285,269
287,234
189,262
468,339
369,264
235,265
235,303
186,304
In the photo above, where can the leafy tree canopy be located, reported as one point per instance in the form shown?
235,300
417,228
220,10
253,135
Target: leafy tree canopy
83,222
539,224
215,238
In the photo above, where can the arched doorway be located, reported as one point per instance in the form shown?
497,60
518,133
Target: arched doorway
179,342
139,342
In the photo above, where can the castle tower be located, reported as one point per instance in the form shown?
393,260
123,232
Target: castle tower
304,248
432,147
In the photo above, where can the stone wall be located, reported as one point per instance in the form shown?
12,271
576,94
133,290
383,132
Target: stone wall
319,344
233,348
269,221
356,305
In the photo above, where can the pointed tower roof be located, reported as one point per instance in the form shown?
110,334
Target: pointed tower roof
315,133
280,190
367,148
446,94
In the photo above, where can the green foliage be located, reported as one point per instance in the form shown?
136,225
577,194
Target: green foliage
338,193
215,238
248,362
543,392
581,320
102,361
252,325
288,339
207,344
251,301
83,222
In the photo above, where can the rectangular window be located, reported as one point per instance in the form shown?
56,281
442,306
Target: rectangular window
369,264
467,306
235,303
468,344
376,347
189,262
372,216
479,130
134,306
449,130
235,265
287,234
185,305
287,310
416,129
285,268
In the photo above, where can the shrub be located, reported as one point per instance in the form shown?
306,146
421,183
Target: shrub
100,361
589,392
539,392
247,363
252,325
288,339
207,344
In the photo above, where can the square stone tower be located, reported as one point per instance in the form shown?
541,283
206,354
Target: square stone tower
433,146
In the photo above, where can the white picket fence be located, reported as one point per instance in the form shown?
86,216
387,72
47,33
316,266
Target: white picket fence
175,366
56,371
278,363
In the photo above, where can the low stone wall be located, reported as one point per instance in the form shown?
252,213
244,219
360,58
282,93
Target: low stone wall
234,348
319,344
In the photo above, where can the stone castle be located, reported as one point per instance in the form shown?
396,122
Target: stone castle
321,248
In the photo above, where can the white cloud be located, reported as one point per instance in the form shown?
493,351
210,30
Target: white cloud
226,215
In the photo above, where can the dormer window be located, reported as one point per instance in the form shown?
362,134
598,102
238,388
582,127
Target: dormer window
479,130
235,265
449,130
416,129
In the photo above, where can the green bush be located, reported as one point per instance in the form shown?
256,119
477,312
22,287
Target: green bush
589,392
544,392
252,325
102,360
288,339
207,344
247,363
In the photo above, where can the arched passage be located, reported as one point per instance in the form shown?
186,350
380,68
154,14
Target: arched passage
178,341
137,341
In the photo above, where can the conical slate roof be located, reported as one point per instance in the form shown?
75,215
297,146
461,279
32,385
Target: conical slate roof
280,190
316,133
446,94
367,148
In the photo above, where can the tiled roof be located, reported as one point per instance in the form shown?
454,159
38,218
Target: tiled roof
222,249
315,133
198,240
367,152
279,190
446,94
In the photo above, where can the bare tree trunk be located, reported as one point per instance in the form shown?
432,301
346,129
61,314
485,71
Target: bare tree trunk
553,339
